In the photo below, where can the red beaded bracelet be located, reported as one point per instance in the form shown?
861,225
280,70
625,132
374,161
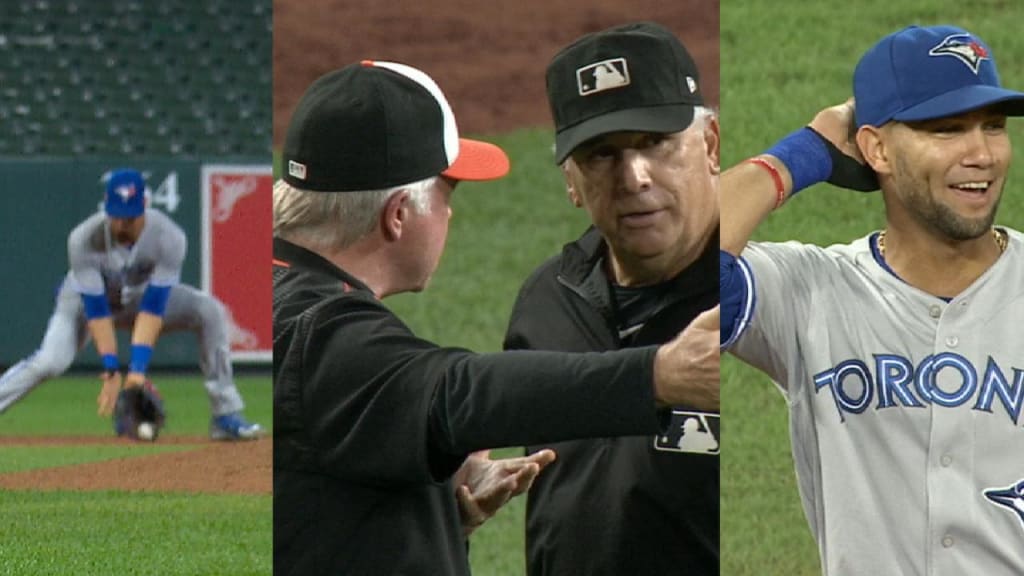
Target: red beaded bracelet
780,188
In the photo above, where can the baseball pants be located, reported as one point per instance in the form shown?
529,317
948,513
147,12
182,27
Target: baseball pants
66,333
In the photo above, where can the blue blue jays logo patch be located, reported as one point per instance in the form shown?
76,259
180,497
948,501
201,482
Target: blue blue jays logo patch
125,191
1012,498
964,48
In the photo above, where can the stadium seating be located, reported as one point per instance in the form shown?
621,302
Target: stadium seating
135,77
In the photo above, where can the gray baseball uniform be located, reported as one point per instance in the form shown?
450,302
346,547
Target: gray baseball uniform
98,265
905,409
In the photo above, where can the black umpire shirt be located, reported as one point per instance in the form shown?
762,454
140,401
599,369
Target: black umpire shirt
640,505
370,422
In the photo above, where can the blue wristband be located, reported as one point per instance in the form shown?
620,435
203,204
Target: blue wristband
140,358
110,362
805,156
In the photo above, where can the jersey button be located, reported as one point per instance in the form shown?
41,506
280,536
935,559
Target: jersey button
952,341
946,460
934,311
947,541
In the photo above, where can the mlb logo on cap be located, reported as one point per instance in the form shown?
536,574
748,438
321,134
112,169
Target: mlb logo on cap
604,75
632,78
126,194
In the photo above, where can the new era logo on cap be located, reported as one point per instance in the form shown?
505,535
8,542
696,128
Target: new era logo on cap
962,47
604,75
296,169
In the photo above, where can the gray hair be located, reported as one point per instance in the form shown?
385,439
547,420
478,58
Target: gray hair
703,115
331,221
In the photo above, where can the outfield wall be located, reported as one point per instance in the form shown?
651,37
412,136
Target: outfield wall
223,206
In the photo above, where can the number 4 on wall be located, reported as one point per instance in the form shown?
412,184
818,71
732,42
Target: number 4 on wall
166,194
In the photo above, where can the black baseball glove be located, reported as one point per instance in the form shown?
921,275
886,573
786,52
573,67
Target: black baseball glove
139,412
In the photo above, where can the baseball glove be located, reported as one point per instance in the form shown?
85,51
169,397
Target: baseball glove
139,412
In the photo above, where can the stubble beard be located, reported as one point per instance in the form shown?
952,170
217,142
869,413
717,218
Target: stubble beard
935,215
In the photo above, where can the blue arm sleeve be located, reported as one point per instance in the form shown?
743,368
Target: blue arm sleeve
95,306
736,285
154,299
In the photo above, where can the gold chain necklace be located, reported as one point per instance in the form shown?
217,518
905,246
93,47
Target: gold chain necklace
1000,238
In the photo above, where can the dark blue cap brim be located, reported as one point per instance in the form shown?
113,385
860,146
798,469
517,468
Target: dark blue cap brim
662,119
964,100
116,210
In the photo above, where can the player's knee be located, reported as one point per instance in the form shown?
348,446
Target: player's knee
48,365
211,311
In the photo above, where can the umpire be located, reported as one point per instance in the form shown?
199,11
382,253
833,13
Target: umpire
372,422
640,153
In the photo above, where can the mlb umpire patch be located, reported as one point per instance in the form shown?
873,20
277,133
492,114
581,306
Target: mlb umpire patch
691,432
602,76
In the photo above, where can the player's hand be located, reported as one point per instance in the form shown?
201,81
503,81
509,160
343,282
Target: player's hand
108,393
837,128
134,379
686,370
483,485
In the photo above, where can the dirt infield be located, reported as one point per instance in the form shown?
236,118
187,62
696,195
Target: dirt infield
209,467
488,57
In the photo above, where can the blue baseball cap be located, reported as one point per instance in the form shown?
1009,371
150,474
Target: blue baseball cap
922,73
126,194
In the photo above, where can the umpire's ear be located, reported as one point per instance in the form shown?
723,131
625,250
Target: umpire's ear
713,143
570,189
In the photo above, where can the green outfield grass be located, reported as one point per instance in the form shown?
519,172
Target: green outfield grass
103,533
782,61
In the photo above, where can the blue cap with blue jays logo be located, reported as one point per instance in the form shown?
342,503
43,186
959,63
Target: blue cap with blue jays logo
923,73
126,194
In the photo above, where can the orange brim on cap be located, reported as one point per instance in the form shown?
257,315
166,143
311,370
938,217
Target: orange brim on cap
478,161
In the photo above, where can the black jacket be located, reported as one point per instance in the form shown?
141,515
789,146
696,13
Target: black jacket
636,505
370,422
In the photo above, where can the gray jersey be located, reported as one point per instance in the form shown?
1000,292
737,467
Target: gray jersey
905,410
99,265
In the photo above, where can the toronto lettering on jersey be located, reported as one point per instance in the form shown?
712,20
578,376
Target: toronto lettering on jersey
895,381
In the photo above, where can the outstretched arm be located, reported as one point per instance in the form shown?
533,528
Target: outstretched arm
101,328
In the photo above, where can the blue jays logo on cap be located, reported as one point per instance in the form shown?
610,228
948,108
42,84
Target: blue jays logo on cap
126,194
924,73
964,48
1011,497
